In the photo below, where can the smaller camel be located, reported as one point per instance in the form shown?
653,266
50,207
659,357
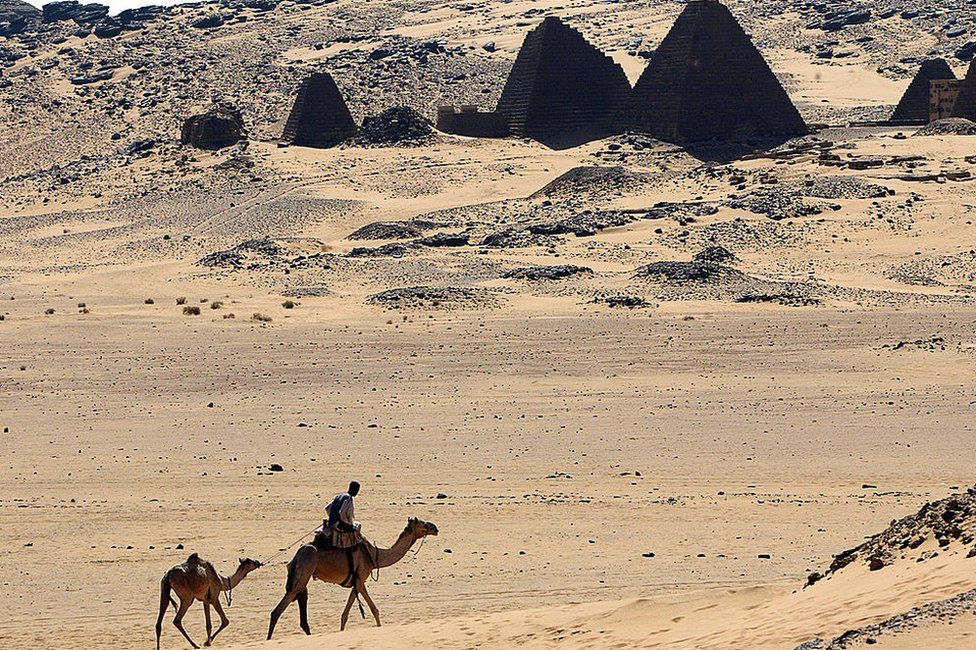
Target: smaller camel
346,567
197,579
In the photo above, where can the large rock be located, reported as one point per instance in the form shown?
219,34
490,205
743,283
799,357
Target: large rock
219,127
12,11
87,14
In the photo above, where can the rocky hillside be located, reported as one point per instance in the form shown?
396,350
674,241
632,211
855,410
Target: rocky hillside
80,81
938,527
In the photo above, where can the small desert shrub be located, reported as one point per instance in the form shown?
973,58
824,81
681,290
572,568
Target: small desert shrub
81,305
49,311
2,317
216,304
261,317
288,304
191,310
181,301
150,301
226,316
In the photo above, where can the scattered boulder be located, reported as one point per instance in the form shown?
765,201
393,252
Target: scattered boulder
209,22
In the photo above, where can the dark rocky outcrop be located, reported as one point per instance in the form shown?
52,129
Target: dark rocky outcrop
12,11
82,14
557,272
219,127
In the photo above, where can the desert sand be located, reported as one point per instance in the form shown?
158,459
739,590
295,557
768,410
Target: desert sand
618,453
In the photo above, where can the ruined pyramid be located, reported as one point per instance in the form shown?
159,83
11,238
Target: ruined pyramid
966,101
914,107
561,86
707,80
320,117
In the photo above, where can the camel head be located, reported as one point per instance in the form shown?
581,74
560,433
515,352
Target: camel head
247,565
419,528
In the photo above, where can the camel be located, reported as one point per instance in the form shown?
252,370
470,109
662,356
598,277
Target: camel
197,579
336,566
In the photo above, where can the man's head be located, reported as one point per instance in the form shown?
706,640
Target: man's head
353,488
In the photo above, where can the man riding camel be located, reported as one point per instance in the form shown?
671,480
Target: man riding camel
341,527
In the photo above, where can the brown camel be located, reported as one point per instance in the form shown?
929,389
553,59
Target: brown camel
333,565
197,579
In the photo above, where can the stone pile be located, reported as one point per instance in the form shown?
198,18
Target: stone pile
218,127
397,126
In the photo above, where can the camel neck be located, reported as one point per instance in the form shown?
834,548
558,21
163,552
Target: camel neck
389,556
235,579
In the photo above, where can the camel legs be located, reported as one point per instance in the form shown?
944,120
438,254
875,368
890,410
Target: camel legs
345,612
164,589
303,572
206,615
178,621
302,599
223,619
369,601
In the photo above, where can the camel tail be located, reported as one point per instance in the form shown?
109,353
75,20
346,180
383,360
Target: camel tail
165,599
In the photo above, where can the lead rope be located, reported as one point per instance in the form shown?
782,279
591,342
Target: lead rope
304,535
229,593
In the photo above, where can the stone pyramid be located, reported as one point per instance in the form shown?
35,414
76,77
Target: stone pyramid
707,80
320,117
966,101
562,87
914,106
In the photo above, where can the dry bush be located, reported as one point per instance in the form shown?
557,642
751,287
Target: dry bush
149,301
49,311
264,318
216,304
288,304
191,310
181,301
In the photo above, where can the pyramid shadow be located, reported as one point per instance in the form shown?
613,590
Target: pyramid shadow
726,151
570,140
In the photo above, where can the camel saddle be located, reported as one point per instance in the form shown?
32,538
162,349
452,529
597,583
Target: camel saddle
325,541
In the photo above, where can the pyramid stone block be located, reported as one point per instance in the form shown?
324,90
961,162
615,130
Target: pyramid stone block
708,81
915,104
562,86
320,117
966,101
